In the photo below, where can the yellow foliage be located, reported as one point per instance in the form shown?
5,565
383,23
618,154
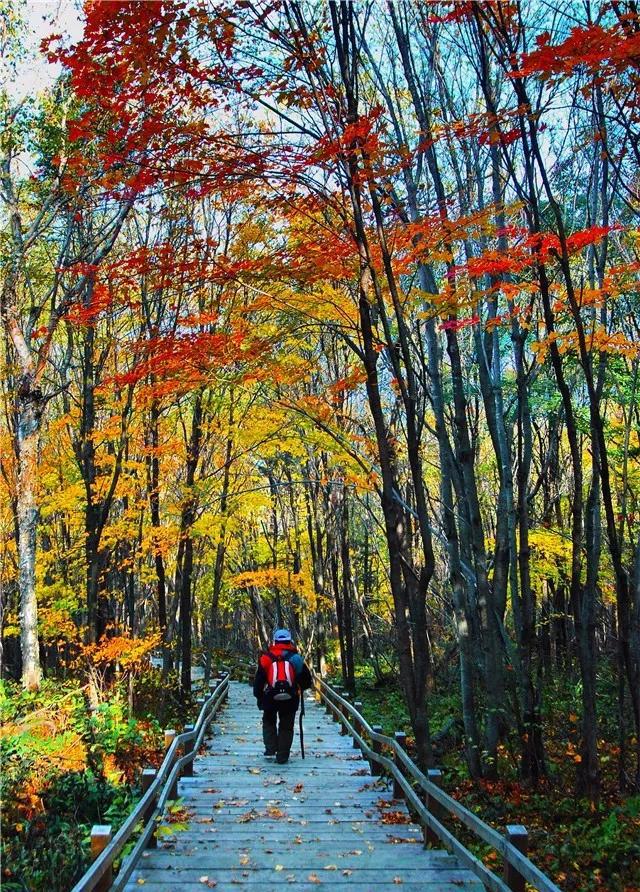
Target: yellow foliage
296,584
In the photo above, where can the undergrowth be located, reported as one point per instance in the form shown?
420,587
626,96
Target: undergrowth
68,764
582,847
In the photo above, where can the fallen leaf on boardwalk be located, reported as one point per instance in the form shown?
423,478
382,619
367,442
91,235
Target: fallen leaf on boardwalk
346,872
313,878
244,859
211,790
360,772
397,880
207,882
298,788
275,812
396,840
255,771
328,811
291,878
238,802
355,852
170,829
384,803
279,867
330,867
141,882
395,817
247,816
204,821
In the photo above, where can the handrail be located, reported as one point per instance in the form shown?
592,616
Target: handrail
526,869
157,796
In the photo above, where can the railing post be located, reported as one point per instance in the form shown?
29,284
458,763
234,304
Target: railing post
357,724
430,837
376,746
148,777
100,839
401,740
187,770
518,836
169,737
337,690
213,685
345,712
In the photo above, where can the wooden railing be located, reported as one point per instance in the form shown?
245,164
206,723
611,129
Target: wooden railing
159,788
431,804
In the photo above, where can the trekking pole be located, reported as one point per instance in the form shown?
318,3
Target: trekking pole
301,728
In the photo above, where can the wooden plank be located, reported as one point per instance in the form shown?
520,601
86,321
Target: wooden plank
314,856
297,880
327,874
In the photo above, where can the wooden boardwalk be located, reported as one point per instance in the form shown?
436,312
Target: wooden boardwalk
321,821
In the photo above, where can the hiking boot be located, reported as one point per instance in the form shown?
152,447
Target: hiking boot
269,754
281,759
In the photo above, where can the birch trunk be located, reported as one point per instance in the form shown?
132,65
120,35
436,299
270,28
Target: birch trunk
29,416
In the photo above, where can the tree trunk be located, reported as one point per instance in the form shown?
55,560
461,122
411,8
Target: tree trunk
28,421
347,596
153,478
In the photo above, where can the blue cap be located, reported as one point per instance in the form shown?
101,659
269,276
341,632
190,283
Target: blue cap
281,635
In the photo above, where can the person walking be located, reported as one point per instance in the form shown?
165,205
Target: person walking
281,677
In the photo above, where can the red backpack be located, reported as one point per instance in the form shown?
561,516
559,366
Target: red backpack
281,677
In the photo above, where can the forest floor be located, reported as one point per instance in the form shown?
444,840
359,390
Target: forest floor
580,846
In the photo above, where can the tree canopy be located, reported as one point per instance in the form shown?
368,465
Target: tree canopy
326,315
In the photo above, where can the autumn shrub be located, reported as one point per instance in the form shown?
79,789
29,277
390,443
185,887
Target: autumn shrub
49,851
65,767
157,698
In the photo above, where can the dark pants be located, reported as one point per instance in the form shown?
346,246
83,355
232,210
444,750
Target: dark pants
277,728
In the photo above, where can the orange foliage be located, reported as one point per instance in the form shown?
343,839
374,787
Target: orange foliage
125,650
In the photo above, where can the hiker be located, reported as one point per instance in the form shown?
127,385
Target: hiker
281,677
